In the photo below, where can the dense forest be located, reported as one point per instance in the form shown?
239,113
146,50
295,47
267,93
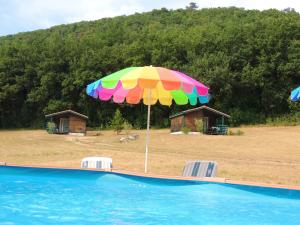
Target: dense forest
250,59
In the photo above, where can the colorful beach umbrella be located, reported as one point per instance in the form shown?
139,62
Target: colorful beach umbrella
295,94
152,85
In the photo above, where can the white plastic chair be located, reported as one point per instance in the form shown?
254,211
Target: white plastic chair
104,163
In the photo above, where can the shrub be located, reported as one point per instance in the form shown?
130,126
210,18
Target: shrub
199,125
117,122
51,127
127,127
239,132
230,132
294,106
185,130
286,120
140,122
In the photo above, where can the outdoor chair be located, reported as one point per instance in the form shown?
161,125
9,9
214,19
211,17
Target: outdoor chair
223,129
219,130
200,169
103,163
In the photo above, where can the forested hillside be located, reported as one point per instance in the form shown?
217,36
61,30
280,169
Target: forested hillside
249,59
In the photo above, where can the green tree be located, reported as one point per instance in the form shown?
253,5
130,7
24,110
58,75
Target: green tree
192,6
117,122
248,58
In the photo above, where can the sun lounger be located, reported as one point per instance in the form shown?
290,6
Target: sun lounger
200,169
97,163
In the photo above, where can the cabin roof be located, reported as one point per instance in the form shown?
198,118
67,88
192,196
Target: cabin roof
199,108
67,112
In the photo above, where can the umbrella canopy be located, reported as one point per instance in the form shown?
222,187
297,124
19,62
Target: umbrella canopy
295,94
151,84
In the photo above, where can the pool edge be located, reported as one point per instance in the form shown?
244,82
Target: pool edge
159,176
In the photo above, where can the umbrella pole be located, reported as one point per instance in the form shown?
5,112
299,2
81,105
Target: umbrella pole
147,134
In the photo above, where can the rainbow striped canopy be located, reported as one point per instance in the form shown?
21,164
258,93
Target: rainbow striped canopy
151,84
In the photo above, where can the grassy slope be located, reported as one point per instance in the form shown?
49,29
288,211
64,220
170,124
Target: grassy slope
266,154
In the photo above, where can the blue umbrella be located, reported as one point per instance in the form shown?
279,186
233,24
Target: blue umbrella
295,94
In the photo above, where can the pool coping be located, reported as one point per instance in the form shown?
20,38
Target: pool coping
160,176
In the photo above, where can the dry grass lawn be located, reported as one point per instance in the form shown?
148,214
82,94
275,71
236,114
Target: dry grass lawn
262,154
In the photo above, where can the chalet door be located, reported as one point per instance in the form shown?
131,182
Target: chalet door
64,125
205,125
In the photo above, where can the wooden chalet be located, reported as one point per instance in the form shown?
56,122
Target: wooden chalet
212,119
68,122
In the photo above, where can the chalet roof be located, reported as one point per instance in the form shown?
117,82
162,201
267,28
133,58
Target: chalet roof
199,108
66,112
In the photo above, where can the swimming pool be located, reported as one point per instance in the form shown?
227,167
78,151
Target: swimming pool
58,196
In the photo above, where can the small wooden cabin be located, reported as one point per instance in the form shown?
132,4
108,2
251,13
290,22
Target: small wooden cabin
68,122
187,118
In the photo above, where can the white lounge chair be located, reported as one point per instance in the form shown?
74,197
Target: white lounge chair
104,163
200,169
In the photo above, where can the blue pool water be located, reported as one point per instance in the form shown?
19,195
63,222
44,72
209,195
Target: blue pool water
57,196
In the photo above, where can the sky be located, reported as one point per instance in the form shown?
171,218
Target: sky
27,15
